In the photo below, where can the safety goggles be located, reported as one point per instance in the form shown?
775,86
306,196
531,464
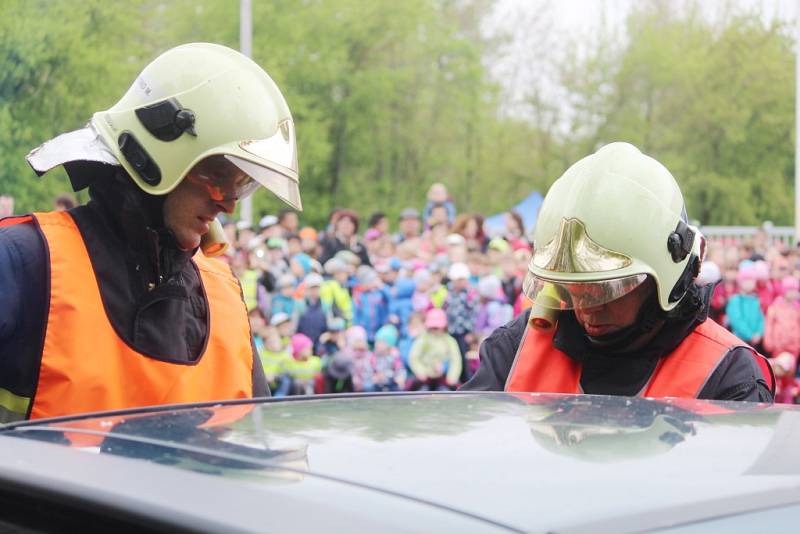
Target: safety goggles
221,180
580,295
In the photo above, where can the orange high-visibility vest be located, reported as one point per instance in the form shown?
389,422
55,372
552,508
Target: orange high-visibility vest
539,366
86,367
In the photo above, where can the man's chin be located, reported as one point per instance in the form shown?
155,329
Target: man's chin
187,244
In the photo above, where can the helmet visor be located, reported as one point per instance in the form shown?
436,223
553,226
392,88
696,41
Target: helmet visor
581,295
275,164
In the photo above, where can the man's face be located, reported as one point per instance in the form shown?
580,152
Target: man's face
345,226
410,226
615,315
208,190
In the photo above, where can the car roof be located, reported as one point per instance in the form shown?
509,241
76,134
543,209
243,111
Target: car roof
472,461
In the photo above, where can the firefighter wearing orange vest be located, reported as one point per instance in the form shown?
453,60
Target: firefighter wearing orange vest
616,309
119,303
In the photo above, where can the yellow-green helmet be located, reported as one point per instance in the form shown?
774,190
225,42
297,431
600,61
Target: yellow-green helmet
199,100
610,221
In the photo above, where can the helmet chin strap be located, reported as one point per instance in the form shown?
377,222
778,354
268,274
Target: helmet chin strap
649,317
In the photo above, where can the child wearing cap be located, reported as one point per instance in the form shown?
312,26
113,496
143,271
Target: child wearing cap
275,360
460,308
492,311
370,302
334,294
389,373
356,349
283,323
312,320
305,369
744,309
283,301
435,358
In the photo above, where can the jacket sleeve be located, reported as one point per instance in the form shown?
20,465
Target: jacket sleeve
738,378
497,356
24,286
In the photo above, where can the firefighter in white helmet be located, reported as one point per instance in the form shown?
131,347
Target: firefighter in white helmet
616,309
119,303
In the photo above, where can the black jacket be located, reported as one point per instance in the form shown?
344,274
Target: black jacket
145,283
738,377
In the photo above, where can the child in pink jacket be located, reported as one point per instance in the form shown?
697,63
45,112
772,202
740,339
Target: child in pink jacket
782,338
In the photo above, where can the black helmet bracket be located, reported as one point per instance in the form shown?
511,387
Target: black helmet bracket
167,120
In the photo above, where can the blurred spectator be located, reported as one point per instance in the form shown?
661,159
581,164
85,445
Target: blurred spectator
470,227
400,304
370,302
460,307
339,373
410,226
493,311
435,358
343,237
288,221
434,241
64,202
276,361
456,248
514,231
308,241
305,368
414,327
378,221
283,324
283,301
389,373
334,294
783,318
356,350
312,320
439,207
332,340
6,206
743,311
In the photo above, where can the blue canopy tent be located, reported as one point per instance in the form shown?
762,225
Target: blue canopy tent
528,210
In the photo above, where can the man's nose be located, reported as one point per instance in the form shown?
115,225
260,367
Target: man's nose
226,206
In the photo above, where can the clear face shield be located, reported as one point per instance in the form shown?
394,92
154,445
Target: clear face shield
278,171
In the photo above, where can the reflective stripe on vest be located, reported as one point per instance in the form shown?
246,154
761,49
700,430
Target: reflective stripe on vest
87,367
540,367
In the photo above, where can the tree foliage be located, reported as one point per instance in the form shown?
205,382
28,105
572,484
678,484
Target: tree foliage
390,96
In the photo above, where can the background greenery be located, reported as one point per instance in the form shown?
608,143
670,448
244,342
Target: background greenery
389,96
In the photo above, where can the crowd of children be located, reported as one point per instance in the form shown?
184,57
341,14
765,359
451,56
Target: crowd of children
341,310
757,297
